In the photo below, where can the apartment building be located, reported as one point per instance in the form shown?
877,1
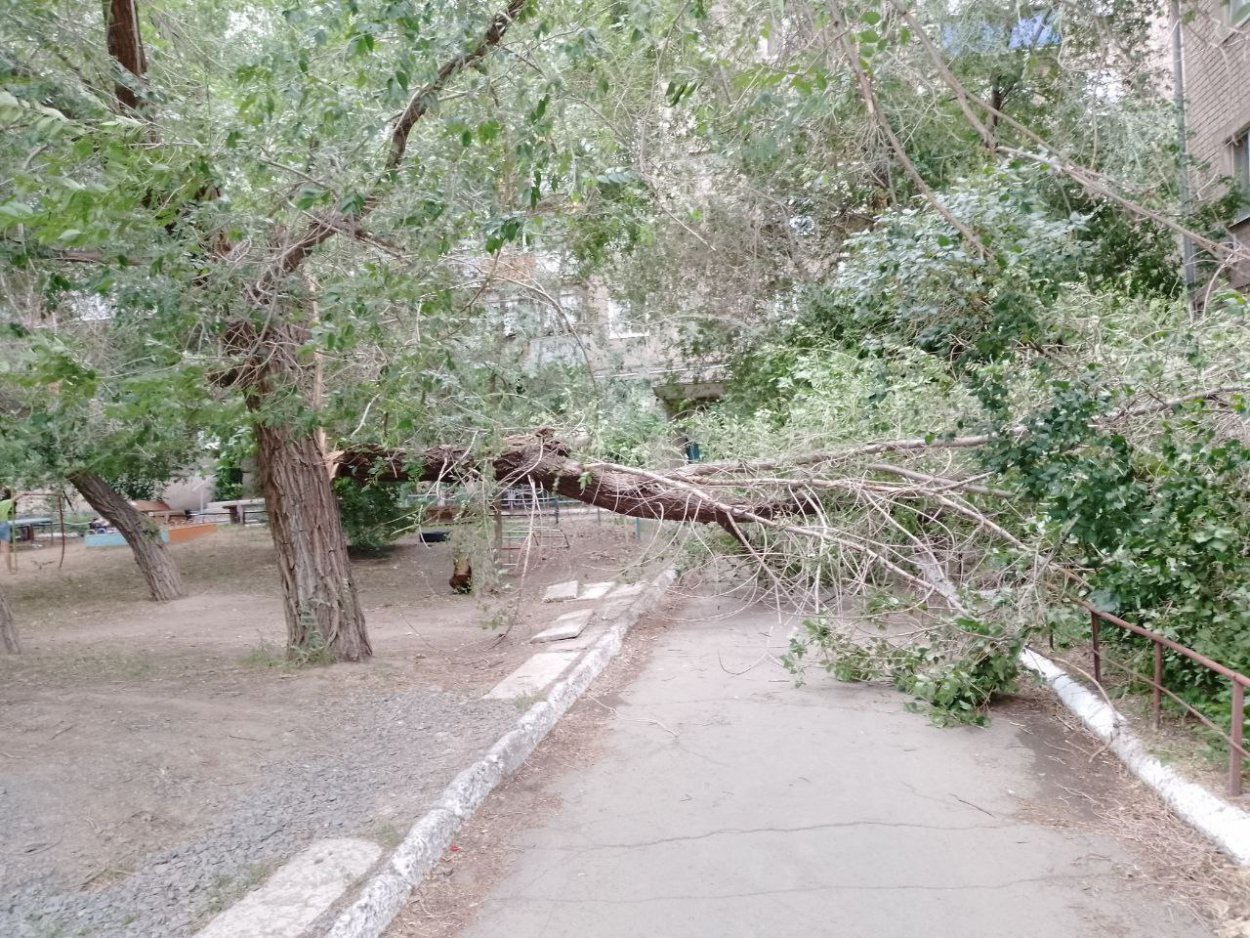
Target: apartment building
541,314
1216,38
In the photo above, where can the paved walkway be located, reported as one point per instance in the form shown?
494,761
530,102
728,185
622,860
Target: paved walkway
728,805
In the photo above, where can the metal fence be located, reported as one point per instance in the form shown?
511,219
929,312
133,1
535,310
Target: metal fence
1239,682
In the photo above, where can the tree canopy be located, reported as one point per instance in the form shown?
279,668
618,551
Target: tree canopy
946,225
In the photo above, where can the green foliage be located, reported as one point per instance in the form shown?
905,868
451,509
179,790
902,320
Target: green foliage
268,116
954,682
1158,524
315,651
1043,344
631,429
915,278
136,488
233,452
376,514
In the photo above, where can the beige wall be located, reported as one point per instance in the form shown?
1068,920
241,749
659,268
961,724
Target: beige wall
1217,92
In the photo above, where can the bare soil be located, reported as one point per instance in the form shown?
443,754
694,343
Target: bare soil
166,756
1085,786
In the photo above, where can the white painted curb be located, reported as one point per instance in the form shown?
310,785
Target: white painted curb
384,893
1226,824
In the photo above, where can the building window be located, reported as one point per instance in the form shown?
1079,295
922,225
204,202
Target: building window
571,309
624,322
1238,11
1241,173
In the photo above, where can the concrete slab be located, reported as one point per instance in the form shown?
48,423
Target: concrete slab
568,626
561,592
609,611
585,640
626,590
533,676
596,590
723,802
299,892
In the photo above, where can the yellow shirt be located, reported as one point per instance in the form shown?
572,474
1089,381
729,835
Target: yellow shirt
6,509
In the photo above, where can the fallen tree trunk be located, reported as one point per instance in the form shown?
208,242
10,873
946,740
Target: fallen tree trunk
704,493
548,464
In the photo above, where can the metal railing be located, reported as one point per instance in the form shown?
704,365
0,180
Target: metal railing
1236,751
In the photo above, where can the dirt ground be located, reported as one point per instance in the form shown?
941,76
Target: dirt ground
139,741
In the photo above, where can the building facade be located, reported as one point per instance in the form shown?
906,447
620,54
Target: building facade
543,316
1216,37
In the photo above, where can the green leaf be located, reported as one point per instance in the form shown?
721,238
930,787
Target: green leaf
16,212
488,130
360,44
308,196
353,203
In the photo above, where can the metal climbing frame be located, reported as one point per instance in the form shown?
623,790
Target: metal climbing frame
526,518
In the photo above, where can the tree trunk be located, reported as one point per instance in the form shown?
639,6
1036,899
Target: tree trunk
125,45
319,592
8,629
322,610
547,463
141,533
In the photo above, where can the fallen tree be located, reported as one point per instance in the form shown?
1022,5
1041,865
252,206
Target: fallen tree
756,509
929,562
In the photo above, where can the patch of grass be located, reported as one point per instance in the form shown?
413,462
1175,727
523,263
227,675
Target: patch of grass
503,618
315,650
314,654
525,701
268,655
111,666
41,929
386,834
265,655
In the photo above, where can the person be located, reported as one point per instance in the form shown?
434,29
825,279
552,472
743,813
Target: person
7,510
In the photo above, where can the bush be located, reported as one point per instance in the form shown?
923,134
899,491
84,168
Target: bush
376,514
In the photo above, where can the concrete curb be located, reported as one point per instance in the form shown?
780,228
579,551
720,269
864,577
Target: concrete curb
1222,822
384,893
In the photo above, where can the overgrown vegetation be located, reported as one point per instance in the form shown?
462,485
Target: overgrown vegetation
375,515
1093,433
951,225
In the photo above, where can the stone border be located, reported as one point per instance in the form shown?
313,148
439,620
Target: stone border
384,893
1224,823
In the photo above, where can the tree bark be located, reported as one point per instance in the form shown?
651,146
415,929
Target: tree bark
141,533
547,463
323,612
125,45
319,591
8,629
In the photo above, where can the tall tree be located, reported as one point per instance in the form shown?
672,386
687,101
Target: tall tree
280,191
66,418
